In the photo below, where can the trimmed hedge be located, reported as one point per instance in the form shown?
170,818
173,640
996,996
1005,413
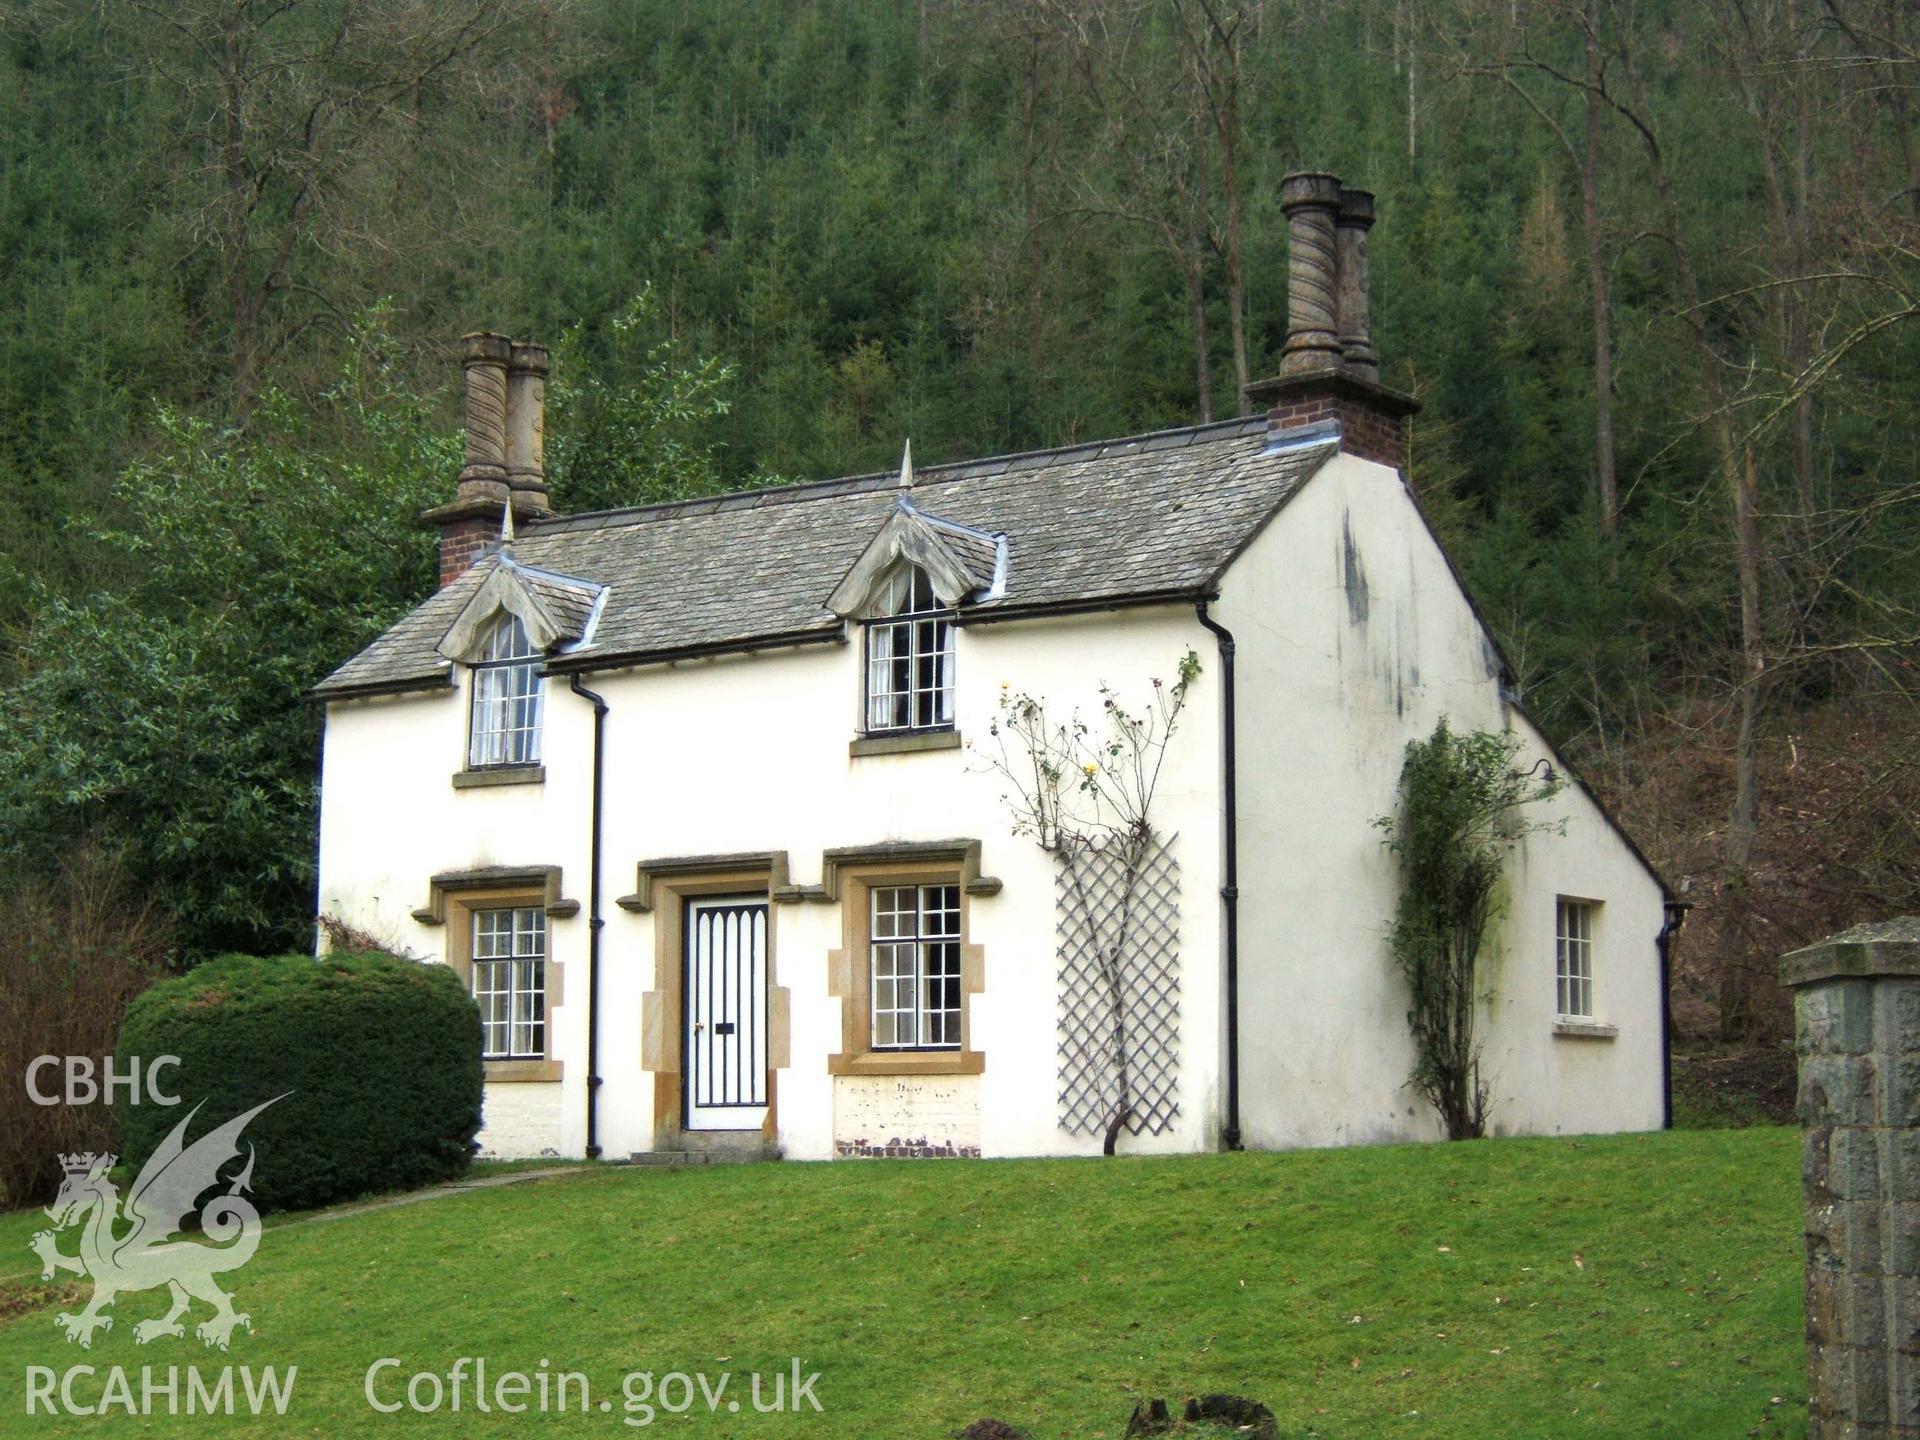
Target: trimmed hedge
382,1057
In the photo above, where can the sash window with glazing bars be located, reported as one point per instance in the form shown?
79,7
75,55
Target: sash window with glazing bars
505,727
910,658
510,982
915,945
1573,959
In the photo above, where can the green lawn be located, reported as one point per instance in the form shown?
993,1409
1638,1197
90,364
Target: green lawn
1633,1286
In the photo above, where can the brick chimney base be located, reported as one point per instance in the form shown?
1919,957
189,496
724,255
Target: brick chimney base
468,527
461,542
1372,418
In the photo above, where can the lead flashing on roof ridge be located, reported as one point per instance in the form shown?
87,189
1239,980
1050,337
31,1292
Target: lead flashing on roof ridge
940,522
1172,438
996,586
579,581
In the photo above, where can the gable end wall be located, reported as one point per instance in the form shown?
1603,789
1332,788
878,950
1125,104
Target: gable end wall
1354,638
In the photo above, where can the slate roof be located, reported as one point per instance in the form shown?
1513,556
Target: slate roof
976,550
567,600
1154,516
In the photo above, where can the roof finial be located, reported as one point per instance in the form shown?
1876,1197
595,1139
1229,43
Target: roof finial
506,523
906,465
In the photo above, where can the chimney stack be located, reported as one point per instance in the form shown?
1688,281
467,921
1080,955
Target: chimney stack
1328,370
506,397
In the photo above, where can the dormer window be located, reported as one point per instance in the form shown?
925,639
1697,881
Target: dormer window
909,656
504,728
514,615
906,589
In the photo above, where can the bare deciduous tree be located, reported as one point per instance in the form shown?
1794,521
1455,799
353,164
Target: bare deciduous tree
1216,33
298,130
1485,41
1168,111
75,947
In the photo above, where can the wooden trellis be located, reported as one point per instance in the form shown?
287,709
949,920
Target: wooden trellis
1092,905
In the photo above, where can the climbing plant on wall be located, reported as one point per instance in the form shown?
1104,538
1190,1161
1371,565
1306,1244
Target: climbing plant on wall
1460,816
1085,795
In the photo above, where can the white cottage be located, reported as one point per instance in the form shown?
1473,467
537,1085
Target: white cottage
687,793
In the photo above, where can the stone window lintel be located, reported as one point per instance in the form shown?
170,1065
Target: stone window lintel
963,855
542,880
773,863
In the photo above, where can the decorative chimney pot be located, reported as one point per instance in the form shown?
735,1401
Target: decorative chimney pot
527,368
1352,302
1311,203
484,356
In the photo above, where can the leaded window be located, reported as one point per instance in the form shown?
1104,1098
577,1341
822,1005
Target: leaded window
1573,959
510,982
915,942
910,657
505,723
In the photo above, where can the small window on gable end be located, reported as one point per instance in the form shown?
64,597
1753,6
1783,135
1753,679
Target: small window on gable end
504,723
1573,959
909,657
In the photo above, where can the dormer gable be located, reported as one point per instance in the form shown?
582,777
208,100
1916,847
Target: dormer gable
960,562
555,610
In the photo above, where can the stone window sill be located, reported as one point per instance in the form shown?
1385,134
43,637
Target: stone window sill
908,1062
904,744
507,1072
1585,1030
500,775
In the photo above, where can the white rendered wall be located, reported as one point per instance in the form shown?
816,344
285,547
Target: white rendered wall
750,753
390,820
1353,639
906,1115
520,1121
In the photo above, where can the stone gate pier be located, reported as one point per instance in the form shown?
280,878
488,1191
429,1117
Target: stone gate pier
1857,1033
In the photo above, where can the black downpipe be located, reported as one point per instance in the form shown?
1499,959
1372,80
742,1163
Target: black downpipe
1230,891
594,922
1675,917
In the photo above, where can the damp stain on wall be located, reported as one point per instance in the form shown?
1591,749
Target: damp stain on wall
1353,575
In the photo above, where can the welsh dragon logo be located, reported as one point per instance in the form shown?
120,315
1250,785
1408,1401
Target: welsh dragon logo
124,1247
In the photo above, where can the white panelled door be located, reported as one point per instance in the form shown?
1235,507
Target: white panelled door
725,1064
